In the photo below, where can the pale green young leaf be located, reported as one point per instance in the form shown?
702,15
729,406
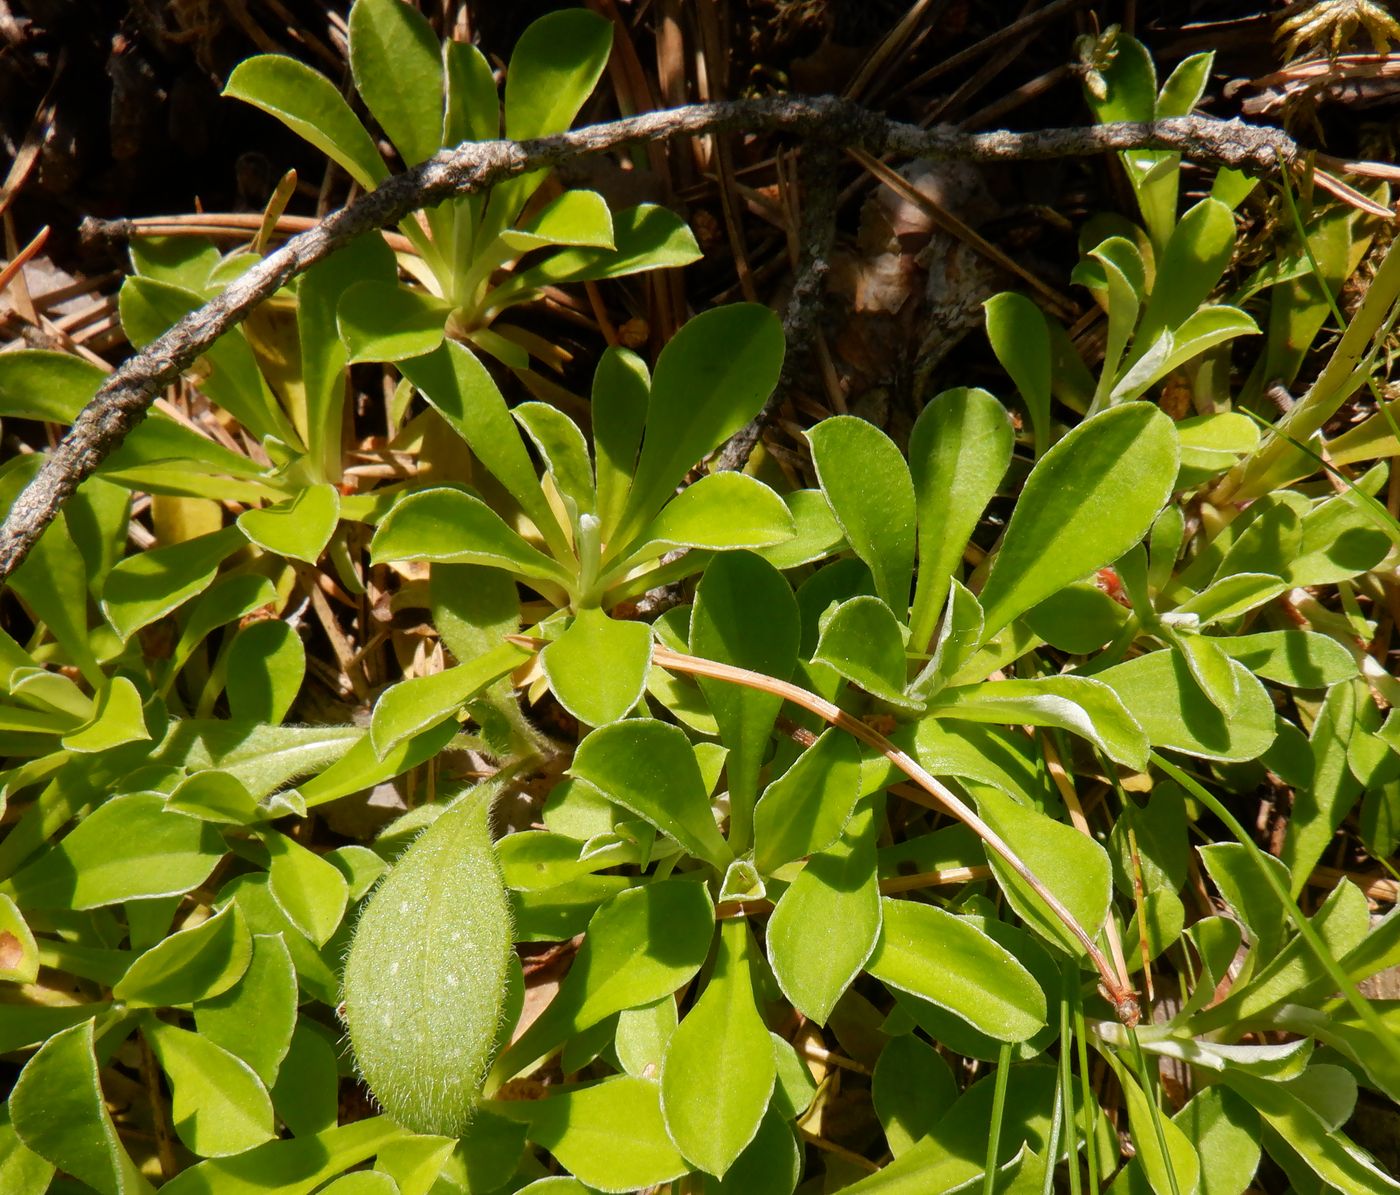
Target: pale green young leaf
577,218
719,1068
553,68
128,848
871,493
643,1034
1087,501
598,667
361,766
1203,330
1020,336
944,959
650,768
194,964
1166,702
299,528
826,924
266,664
711,378
254,1018
219,1106
397,66
1211,668
58,1110
1229,597
958,453
1196,255
455,527
805,809
308,104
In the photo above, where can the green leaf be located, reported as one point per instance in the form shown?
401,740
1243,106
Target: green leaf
308,889
1340,540
598,667
642,945
1319,807
308,104
1087,501
711,378
611,1135
770,1165
1166,702
650,768
412,706
826,924
1165,1153
461,390
254,1019
383,321
266,664
805,809
146,587
723,510
19,955
719,1069
1079,619
1071,865
219,1105
233,379
642,1036
863,641
1210,667
1225,1131
194,964
22,1171
1080,704
362,767
578,218
647,237
817,533
397,65
453,526
959,450
621,394
117,720
299,528
305,1093
1298,659
1020,337
473,608
871,493
1252,901
58,1111
1329,1155
363,1182
944,959
723,628
293,1167
912,1088
1229,597
1200,248
553,68
563,449
128,848
323,354
1172,349
473,110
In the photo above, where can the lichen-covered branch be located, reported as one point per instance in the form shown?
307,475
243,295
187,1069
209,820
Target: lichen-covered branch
127,394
